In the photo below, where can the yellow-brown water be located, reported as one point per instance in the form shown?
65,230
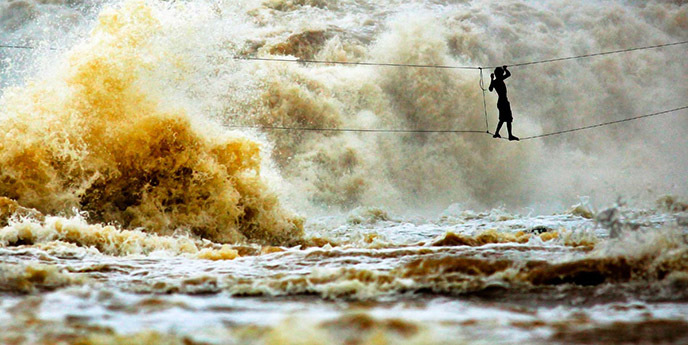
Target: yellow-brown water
132,211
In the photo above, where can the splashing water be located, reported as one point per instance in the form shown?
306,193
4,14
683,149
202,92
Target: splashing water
93,139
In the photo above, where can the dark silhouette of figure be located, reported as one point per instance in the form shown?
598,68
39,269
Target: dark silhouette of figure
497,83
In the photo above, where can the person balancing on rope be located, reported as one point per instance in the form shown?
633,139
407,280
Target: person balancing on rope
497,83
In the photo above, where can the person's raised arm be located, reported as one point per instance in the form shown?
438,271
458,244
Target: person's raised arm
507,74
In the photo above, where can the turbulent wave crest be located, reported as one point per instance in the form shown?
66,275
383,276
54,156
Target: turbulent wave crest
95,137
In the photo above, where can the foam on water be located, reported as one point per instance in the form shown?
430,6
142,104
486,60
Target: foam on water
94,137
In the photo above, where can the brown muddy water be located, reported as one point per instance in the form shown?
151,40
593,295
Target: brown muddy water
467,278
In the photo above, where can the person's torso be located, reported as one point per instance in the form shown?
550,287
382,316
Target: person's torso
500,87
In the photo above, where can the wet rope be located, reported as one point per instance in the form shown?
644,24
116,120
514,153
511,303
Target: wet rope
482,87
591,55
365,130
583,56
663,112
10,46
363,63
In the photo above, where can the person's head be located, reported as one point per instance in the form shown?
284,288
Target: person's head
499,71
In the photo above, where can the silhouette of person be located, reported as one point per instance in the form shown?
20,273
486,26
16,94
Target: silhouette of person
497,83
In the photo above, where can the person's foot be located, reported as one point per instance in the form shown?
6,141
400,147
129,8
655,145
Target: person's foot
496,135
513,138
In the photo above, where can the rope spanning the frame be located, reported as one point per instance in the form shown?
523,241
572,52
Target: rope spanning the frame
360,130
251,58
21,47
363,63
592,55
663,112
416,131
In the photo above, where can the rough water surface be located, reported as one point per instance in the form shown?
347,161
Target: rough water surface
141,203
474,278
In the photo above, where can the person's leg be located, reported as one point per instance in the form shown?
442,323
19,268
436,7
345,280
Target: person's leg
508,128
499,126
